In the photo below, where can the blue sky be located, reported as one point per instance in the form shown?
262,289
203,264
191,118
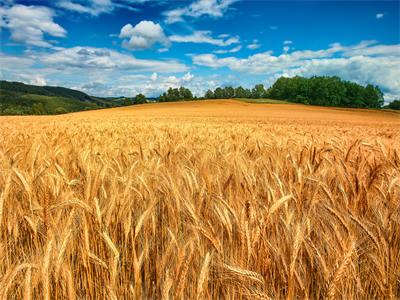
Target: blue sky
125,47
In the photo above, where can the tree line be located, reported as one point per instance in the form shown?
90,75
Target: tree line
139,99
316,90
239,92
326,91
175,94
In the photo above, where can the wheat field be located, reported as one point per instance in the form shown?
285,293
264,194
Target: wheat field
201,200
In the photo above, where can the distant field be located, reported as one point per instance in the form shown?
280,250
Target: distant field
238,111
214,199
264,101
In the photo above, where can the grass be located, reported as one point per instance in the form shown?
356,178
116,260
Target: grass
200,200
263,101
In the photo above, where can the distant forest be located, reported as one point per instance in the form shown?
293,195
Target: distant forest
22,99
317,90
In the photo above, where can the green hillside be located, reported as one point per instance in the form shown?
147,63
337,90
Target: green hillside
19,99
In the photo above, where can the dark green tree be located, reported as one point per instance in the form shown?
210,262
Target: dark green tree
395,104
126,102
173,95
60,110
370,96
163,98
185,94
209,94
140,99
240,92
258,91
219,93
229,92
38,109
326,91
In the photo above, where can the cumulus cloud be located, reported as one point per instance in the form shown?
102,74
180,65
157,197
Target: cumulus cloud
98,71
379,16
203,36
38,80
287,42
29,24
97,7
198,85
187,77
102,58
233,50
391,50
151,85
253,46
143,36
8,61
213,8
363,63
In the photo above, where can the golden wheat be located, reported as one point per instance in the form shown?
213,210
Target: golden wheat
206,200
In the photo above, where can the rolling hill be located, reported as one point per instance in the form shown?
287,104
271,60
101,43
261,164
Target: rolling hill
17,98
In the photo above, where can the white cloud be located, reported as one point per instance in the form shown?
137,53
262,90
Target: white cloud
253,46
97,7
187,77
203,37
150,85
8,62
213,8
154,76
28,24
143,35
98,71
363,63
92,7
222,36
233,50
287,42
379,16
38,81
209,60
273,27
375,50
101,58
286,49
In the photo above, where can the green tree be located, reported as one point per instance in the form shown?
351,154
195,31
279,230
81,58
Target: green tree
163,98
240,92
209,94
379,93
38,109
395,104
370,96
229,92
126,102
185,94
219,93
140,99
258,91
326,91
60,110
173,95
